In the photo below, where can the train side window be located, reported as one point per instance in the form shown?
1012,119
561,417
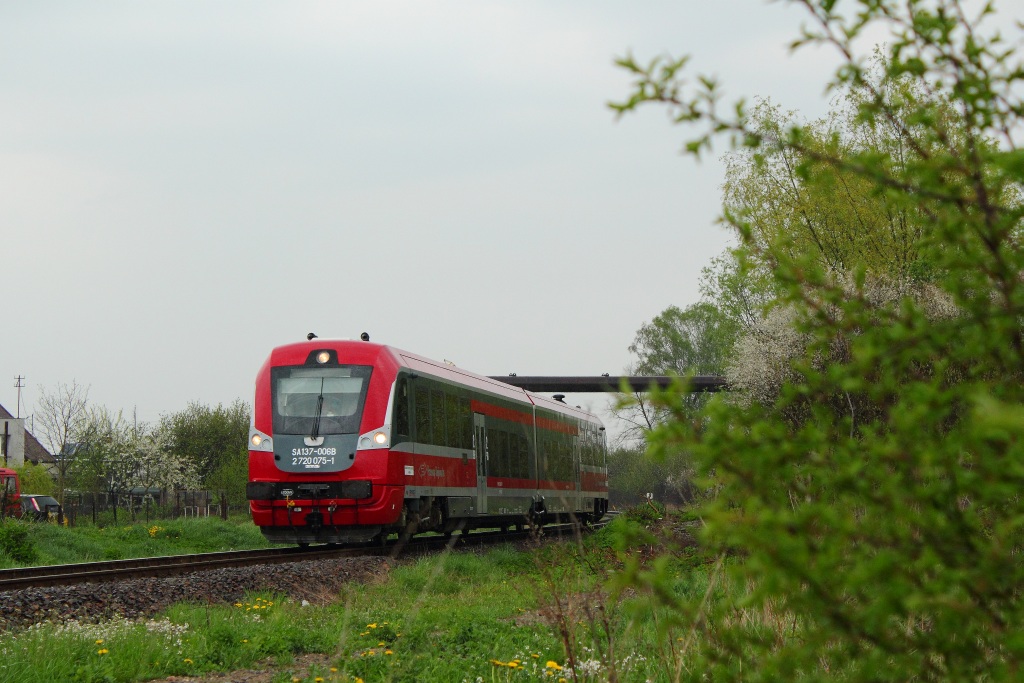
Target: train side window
401,426
422,412
521,457
437,436
465,422
543,448
497,440
452,418
506,455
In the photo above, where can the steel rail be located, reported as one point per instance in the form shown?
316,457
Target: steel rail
173,565
114,570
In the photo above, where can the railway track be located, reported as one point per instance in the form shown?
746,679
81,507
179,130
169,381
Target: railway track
174,565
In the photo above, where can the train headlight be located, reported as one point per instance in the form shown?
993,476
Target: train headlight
378,438
323,357
258,441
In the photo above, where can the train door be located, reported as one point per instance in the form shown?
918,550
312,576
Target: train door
480,444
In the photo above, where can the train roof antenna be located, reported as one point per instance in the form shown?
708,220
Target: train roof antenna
364,336
310,337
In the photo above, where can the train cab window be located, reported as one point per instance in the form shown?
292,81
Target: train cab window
327,399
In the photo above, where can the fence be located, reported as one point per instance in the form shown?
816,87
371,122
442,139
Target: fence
144,504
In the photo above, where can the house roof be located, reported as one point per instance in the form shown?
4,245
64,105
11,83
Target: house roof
35,452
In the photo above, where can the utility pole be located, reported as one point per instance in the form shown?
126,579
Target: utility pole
18,385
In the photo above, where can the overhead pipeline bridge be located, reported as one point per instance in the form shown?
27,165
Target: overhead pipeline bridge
607,384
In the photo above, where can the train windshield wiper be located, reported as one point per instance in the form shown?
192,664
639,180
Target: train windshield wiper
319,411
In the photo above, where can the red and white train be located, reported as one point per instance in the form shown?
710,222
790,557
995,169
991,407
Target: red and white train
352,441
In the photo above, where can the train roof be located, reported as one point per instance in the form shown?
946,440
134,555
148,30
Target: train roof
446,370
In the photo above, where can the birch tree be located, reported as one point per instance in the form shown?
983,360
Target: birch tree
59,414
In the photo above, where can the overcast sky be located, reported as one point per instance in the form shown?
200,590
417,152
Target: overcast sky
186,184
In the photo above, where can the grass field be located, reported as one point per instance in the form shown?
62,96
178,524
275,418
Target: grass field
505,614
53,544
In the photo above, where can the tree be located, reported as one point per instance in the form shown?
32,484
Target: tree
691,341
797,202
208,437
102,462
634,476
874,496
59,413
156,466
739,286
35,479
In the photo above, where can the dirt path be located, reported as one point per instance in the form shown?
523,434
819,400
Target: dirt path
302,667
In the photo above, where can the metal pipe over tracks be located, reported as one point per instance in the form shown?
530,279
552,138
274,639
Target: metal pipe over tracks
608,384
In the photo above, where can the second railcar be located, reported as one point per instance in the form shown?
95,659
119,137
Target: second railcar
353,441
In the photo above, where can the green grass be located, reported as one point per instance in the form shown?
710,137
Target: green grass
499,615
86,543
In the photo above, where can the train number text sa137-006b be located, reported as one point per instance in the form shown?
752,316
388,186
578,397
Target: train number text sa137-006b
313,457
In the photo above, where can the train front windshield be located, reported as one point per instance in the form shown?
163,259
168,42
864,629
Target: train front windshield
322,400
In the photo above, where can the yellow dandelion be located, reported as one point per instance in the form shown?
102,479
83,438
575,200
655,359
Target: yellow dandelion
102,652
513,665
99,641
553,665
497,662
388,652
188,661
318,679
238,604
245,640
373,625
535,656
359,680
334,669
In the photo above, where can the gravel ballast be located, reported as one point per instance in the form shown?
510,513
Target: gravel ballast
311,580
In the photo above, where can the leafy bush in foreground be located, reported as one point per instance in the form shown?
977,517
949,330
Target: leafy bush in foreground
873,496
